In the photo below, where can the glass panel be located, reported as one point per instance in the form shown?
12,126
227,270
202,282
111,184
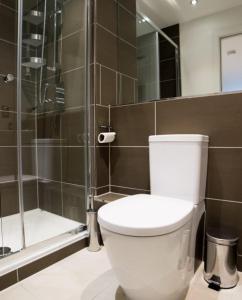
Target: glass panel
148,70
10,229
53,117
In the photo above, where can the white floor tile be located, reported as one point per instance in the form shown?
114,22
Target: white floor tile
16,292
88,276
54,282
99,286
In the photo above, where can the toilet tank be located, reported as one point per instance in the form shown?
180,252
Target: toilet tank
178,166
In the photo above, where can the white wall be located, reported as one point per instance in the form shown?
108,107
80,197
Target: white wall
200,50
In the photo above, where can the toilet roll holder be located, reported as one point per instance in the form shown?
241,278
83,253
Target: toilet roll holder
107,128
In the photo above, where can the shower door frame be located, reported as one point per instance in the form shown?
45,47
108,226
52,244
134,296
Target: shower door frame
19,121
89,196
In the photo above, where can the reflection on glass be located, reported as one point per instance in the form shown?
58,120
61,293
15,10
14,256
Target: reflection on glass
158,62
147,61
53,89
206,36
231,63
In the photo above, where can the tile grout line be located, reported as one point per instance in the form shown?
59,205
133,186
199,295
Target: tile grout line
123,74
102,105
62,73
61,171
100,84
134,87
100,187
135,104
63,37
223,147
129,146
117,88
160,101
51,146
125,8
155,118
115,35
109,152
9,7
223,200
130,188
9,43
64,182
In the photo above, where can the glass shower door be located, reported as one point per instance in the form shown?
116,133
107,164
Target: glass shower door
53,116
10,219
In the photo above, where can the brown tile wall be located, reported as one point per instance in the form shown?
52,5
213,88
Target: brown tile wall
60,190
114,76
218,116
8,137
65,126
8,161
61,183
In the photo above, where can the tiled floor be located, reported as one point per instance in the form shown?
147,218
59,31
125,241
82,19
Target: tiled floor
88,276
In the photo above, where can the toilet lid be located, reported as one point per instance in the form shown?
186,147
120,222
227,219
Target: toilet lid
145,215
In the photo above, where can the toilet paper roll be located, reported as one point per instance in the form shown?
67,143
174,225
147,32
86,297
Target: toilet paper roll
106,137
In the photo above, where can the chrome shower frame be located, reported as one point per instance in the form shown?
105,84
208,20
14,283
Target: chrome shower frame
94,242
19,120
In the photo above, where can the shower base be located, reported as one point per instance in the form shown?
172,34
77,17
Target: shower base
45,232
39,225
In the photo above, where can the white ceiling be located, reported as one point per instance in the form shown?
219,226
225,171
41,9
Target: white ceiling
169,12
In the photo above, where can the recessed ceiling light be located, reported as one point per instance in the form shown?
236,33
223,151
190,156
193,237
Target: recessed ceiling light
194,2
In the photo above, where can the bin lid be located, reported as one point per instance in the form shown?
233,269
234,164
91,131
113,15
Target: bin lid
222,236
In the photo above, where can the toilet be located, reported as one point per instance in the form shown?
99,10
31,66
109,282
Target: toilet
150,239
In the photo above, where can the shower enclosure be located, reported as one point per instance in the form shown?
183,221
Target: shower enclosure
44,176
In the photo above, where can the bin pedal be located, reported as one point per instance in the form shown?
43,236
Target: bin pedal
215,283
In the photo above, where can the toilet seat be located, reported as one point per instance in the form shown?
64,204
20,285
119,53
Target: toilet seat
145,215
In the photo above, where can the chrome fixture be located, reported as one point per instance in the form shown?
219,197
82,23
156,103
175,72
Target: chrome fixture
220,269
103,127
5,251
34,17
57,92
194,2
33,39
94,244
7,77
33,62
57,12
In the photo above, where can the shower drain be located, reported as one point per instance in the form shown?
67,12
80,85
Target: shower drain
5,251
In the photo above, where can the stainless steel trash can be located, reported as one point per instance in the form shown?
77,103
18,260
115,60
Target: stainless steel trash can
220,269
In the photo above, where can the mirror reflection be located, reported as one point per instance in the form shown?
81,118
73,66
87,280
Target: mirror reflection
188,48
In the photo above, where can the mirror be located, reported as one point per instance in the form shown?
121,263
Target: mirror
188,48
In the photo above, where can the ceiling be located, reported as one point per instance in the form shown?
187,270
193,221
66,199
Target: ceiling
169,12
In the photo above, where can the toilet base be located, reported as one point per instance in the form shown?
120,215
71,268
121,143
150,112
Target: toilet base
151,268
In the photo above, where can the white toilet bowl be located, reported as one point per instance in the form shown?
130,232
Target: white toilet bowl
148,240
